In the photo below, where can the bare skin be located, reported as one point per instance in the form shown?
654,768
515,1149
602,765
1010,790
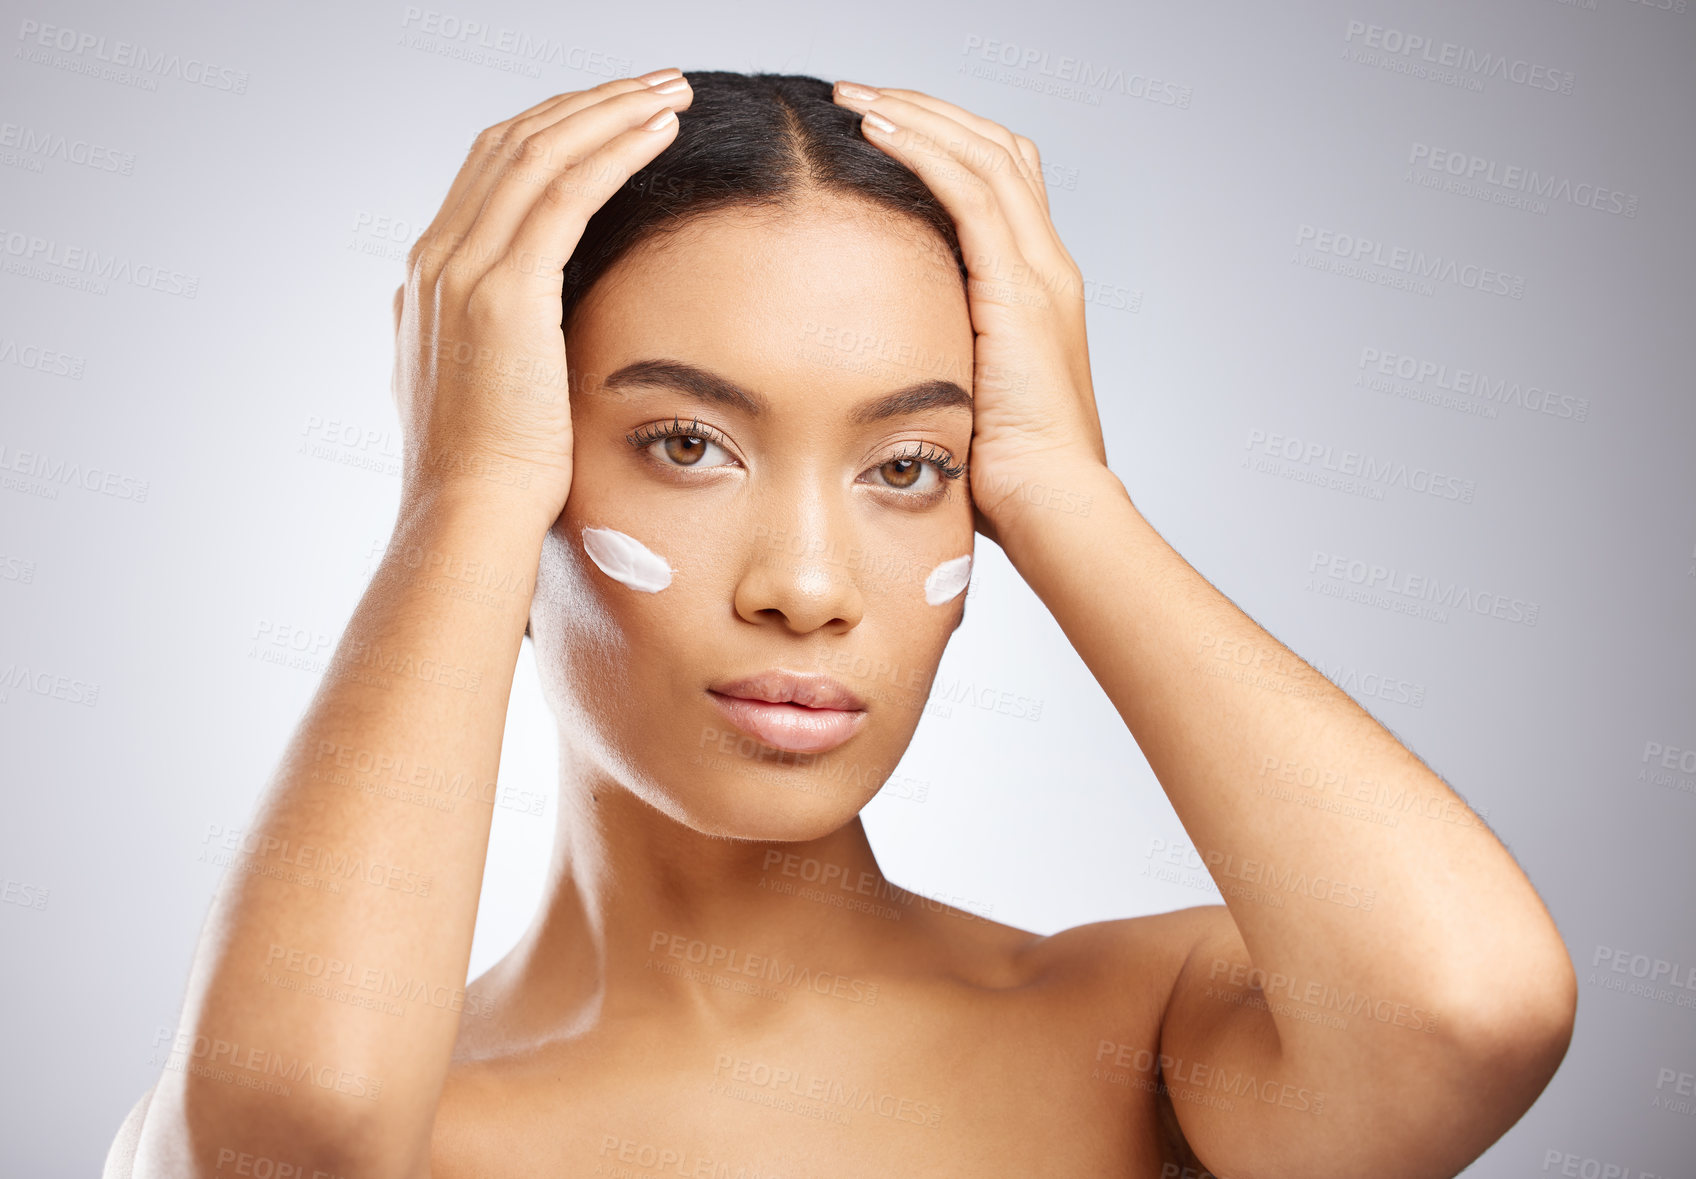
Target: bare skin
721,976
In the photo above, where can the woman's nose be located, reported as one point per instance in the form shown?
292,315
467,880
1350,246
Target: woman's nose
798,571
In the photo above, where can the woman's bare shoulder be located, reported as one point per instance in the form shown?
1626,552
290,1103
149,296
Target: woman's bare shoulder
1124,953
1162,935
120,1156
1148,951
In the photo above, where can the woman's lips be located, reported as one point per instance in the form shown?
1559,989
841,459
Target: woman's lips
792,727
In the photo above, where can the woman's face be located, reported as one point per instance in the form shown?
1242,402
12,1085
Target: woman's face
799,526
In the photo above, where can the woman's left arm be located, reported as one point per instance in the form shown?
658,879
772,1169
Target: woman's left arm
1384,991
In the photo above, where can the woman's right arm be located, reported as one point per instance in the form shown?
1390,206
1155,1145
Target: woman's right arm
325,993
386,790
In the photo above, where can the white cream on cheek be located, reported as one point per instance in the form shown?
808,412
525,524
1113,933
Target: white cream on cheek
948,579
626,560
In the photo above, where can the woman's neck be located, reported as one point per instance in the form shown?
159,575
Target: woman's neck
643,914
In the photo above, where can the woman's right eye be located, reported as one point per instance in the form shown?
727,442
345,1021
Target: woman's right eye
688,450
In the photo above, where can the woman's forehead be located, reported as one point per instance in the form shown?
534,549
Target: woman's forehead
836,298
831,254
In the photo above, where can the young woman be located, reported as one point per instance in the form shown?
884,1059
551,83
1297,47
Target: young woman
740,546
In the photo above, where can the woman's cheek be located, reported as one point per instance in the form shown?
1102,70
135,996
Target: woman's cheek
946,582
626,560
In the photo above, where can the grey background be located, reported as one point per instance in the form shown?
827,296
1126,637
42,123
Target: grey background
257,413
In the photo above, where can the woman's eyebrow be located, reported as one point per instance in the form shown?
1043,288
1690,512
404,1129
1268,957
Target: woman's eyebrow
705,385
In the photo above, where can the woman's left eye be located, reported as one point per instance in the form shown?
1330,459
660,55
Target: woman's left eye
908,472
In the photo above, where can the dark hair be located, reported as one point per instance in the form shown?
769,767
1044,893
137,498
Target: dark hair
751,140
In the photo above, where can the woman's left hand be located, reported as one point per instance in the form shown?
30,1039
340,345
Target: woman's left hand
1034,416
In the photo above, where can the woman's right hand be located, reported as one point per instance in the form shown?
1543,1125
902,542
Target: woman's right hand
480,366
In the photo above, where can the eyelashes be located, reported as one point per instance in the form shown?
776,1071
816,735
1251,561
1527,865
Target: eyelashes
940,459
646,436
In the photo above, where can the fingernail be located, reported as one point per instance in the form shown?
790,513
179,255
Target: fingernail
878,122
660,76
661,121
855,90
670,87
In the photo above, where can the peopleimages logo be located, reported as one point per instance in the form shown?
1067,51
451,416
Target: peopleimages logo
1476,169
1415,593
1064,75
513,50
1472,383
712,957
48,470
1368,251
1413,47
36,145
1367,470
33,256
41,360
126,55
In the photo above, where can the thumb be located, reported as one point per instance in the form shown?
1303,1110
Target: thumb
394,372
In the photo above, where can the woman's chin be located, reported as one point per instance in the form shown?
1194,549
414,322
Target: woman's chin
760,807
